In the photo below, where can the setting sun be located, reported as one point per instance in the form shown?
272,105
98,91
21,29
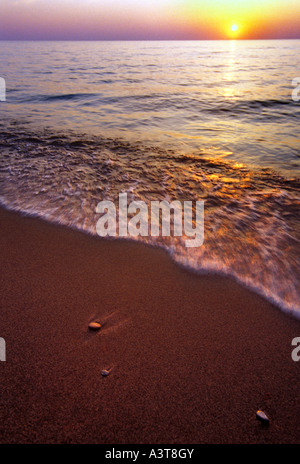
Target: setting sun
234,31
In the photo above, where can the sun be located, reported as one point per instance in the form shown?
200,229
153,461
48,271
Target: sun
233,30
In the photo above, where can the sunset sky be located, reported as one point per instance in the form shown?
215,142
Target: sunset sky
149,19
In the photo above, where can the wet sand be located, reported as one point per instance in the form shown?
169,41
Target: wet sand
192,357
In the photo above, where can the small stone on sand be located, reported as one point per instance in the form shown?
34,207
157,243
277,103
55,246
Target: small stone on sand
94,326
105,372
262,417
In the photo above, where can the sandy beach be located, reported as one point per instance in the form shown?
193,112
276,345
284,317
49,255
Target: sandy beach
192,357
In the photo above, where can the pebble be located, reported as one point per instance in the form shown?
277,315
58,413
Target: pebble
262,417
105,372
94,326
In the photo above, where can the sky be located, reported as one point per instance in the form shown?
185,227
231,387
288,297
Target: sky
149,19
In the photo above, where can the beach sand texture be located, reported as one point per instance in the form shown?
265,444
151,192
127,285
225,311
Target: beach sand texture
192,357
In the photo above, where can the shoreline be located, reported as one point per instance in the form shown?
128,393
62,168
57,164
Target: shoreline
222,350
294,313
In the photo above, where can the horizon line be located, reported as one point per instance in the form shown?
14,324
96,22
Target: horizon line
146,40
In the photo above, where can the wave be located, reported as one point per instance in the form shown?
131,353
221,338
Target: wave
252,223
56,98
